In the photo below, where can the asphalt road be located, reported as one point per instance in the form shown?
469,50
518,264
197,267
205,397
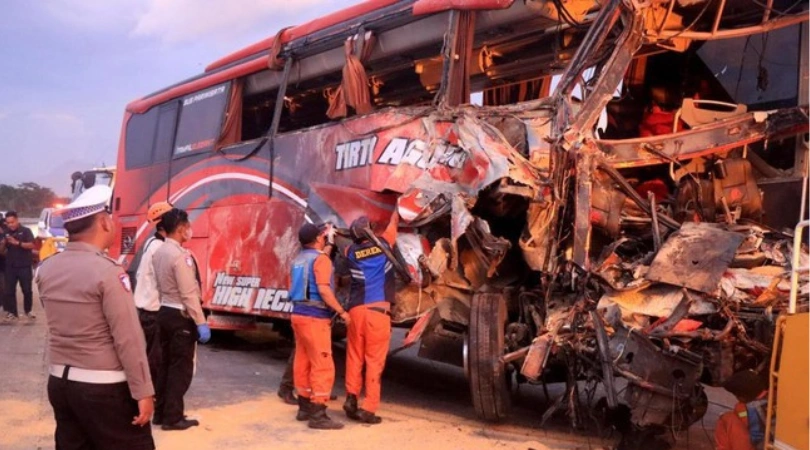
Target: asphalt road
425,404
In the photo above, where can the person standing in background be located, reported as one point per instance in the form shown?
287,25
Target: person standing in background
19,260
3,251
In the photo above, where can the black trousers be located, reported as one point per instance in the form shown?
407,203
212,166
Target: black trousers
287,383
177,337
151,332
24,276
96,417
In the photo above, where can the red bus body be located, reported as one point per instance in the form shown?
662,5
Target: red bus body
518,211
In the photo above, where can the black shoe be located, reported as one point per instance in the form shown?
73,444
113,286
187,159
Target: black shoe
368,417
318,419
304,409
288,396
350,406
182,424
158,420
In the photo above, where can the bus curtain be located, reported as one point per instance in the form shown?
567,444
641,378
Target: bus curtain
274,62
232,129
354,89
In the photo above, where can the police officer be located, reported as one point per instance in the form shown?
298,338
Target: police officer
369,333
147,299
19,260
180,320
314,301
99,385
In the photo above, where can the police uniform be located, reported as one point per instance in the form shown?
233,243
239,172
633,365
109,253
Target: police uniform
369,333
180,313
98,367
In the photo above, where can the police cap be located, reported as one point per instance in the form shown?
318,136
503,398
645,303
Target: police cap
90,202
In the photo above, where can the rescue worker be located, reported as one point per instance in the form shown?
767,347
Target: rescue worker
743,428
180,320
369,333
99,385
313,298
147,299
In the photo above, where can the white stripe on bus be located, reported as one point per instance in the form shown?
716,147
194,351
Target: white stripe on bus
231,176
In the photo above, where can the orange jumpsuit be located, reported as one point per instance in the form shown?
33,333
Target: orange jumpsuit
368,339
732,430
314,368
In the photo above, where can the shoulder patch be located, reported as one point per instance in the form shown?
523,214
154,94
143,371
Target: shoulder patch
189,261
125,282
106,257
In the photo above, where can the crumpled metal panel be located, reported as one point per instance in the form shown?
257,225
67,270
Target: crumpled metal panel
695,257
655,301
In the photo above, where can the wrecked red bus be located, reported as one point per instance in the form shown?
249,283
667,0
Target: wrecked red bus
553,162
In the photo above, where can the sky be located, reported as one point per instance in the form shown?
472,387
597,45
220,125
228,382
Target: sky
69,67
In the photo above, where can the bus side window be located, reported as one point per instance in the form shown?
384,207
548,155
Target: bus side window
140,136
201,117
164,139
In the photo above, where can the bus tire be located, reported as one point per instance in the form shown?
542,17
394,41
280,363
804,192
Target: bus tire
488,378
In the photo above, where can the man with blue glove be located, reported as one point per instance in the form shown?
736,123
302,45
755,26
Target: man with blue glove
180,320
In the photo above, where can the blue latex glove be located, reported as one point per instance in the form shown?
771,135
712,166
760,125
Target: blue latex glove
205,333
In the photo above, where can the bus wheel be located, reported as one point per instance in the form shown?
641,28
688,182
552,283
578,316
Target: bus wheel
485,347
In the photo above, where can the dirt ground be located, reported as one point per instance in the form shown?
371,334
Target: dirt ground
425,405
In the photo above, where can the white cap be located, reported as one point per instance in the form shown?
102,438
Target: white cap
90,202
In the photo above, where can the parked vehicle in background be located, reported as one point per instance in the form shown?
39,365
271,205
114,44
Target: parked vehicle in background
51,229
530,253
101,176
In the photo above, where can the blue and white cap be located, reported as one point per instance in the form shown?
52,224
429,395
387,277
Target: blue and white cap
90,202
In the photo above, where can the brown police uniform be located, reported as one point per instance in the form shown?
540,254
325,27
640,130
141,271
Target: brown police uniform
98,362
180,313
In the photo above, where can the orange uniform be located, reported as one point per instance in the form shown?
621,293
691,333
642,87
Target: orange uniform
314,368
369,332
732,430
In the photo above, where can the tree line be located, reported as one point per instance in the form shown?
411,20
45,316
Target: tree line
28,199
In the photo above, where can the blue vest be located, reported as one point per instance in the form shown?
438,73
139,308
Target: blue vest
306,299
372,274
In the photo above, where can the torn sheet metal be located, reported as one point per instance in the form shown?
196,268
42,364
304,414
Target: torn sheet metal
658,300
695,257
747,286
660,382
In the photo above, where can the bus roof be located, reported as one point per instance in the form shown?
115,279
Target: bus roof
255,57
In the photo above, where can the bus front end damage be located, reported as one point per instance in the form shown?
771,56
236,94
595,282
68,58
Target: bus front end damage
634,269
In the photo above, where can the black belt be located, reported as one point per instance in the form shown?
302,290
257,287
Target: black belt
379,310
147,312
